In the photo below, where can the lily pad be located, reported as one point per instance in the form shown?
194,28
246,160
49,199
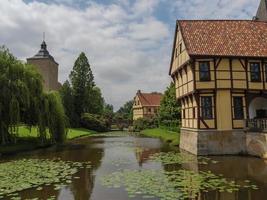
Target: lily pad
179,158
181,184
34,173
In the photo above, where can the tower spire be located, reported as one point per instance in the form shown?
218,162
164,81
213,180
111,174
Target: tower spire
43,36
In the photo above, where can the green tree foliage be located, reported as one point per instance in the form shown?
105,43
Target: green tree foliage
67,97
96,101
82,95
126,111
145,123
170,110
108,110
22,100
56,118
94,122
108,114
82,81
124,116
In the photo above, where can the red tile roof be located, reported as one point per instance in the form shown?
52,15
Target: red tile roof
244,38
149,99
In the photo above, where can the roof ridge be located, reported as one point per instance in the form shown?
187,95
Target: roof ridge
248,20
220,20
214,20
151,93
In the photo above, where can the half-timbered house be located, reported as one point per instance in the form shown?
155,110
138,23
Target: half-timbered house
146,105
220,71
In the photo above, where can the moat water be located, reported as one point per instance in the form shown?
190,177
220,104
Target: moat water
104,151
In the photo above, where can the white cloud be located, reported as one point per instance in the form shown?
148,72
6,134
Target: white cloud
127,46
215,9
144,7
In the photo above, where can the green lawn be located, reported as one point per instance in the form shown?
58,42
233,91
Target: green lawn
79,132
168,136
27,139
25,132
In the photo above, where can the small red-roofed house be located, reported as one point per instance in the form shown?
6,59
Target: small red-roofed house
146,105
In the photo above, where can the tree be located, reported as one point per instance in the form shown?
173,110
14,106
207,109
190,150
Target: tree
126,111
124,115
66,94
108,110
170,110
23,100
108,114
82,81
96,101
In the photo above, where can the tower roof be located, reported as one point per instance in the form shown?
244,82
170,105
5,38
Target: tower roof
43,53
262,11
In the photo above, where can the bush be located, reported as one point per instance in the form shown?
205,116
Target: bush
170,125
120,127
145,123
130,129
94,122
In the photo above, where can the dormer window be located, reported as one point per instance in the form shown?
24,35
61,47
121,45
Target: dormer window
255,72
204,71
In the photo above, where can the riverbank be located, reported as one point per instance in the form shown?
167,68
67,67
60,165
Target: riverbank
27,140
173,138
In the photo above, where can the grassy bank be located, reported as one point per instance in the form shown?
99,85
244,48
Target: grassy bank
79,132
25,132
27,139
167,136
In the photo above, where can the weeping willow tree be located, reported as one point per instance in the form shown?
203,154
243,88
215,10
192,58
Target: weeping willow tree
56,118
23,100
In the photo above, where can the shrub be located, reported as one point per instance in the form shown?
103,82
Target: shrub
171,125
94,122
145,123
130,129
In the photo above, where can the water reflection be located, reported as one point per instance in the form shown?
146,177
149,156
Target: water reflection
104,152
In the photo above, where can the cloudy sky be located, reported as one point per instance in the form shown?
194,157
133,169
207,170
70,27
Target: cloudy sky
128,42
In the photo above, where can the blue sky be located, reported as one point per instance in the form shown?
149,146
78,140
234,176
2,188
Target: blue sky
128,42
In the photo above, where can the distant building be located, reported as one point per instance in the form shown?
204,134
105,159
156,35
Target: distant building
146,105
220,71
47,67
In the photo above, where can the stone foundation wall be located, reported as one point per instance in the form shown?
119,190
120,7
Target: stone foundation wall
188,141
213,142
257,144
